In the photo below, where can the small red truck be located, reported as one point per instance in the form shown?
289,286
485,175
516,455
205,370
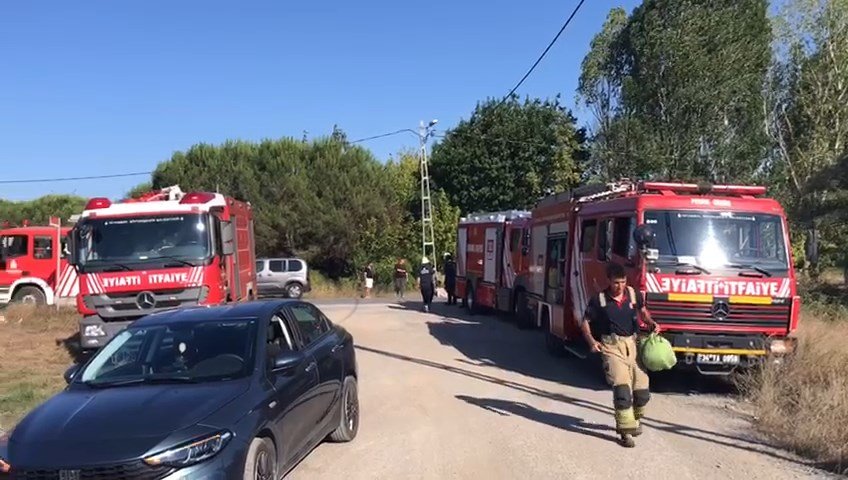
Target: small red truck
713,262
30,257
163,250
492,260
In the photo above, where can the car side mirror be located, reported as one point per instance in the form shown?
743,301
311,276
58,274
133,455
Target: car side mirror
71,372
287,361
525,251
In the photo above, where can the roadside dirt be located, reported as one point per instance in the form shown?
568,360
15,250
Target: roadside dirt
444,395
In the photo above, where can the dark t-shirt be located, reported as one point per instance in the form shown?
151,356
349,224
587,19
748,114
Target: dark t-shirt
425,275
450,270
400,271
620,319
369,272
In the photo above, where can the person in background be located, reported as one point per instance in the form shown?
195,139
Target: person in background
369,279
427,282
401,277
450,278
614,318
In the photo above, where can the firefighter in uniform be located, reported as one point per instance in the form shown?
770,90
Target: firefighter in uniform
610,326
450,278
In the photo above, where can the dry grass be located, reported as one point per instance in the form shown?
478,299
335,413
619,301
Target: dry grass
33,356
803,404
324,288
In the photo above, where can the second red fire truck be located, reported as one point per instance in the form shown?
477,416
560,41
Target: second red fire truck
713,262
492,258
166,249
34,267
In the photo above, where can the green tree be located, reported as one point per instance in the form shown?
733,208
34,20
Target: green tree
39,210
324,200
676,90
509,155
808,119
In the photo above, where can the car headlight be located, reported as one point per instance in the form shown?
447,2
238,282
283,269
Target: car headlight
191,453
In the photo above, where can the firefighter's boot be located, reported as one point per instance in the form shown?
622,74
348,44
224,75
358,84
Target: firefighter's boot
627,440
638,413
626,423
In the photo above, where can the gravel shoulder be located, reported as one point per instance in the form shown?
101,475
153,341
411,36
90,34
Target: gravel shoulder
445,395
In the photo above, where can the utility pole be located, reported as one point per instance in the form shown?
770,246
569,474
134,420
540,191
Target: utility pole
428,240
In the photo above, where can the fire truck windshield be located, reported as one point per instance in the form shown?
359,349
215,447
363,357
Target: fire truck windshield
719,239
136,242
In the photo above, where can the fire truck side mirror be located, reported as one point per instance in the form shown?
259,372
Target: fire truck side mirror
525,251
73,243
644,236
227,238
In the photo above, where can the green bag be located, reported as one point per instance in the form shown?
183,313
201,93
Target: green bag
656,353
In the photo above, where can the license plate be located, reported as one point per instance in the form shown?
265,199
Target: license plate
718,359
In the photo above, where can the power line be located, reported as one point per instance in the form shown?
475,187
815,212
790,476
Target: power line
69,179
564,26
383,135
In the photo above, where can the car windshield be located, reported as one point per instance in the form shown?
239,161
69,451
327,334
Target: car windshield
136,242
179,352
719,239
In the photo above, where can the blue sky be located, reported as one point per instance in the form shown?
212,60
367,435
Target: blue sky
104,87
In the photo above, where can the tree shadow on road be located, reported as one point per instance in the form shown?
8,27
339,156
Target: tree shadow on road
740,441
486,342
489,340
558,420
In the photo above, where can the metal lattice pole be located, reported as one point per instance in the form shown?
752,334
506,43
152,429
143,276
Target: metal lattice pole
428,239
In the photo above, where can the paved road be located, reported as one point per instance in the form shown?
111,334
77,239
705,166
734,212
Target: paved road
449,396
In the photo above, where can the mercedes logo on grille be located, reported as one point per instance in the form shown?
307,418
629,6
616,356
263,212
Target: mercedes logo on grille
145,300
721,310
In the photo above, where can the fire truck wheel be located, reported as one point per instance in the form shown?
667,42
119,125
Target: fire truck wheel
471,300
552,343
30,295
521,312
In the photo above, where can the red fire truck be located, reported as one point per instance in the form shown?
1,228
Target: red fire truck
712,261
29,261
492,253
166,249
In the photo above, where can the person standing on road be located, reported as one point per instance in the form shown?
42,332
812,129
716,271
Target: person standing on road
369,279
401,277
450,278
609,326
427,282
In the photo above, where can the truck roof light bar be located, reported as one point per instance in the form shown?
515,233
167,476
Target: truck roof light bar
198,197
705,188
98,203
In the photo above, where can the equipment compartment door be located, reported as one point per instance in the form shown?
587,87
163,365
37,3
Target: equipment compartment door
462,251
490,259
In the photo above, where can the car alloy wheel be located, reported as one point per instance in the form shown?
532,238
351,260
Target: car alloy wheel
295,291
264,467
352,409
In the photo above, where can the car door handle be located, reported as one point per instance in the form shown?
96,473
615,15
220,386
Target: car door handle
337,348
311,366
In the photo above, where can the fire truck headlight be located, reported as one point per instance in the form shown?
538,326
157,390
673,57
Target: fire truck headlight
94,331
782,346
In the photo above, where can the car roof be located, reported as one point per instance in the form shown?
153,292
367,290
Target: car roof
199,314
281,258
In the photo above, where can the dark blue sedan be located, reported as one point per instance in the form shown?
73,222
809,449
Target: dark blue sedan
230,392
